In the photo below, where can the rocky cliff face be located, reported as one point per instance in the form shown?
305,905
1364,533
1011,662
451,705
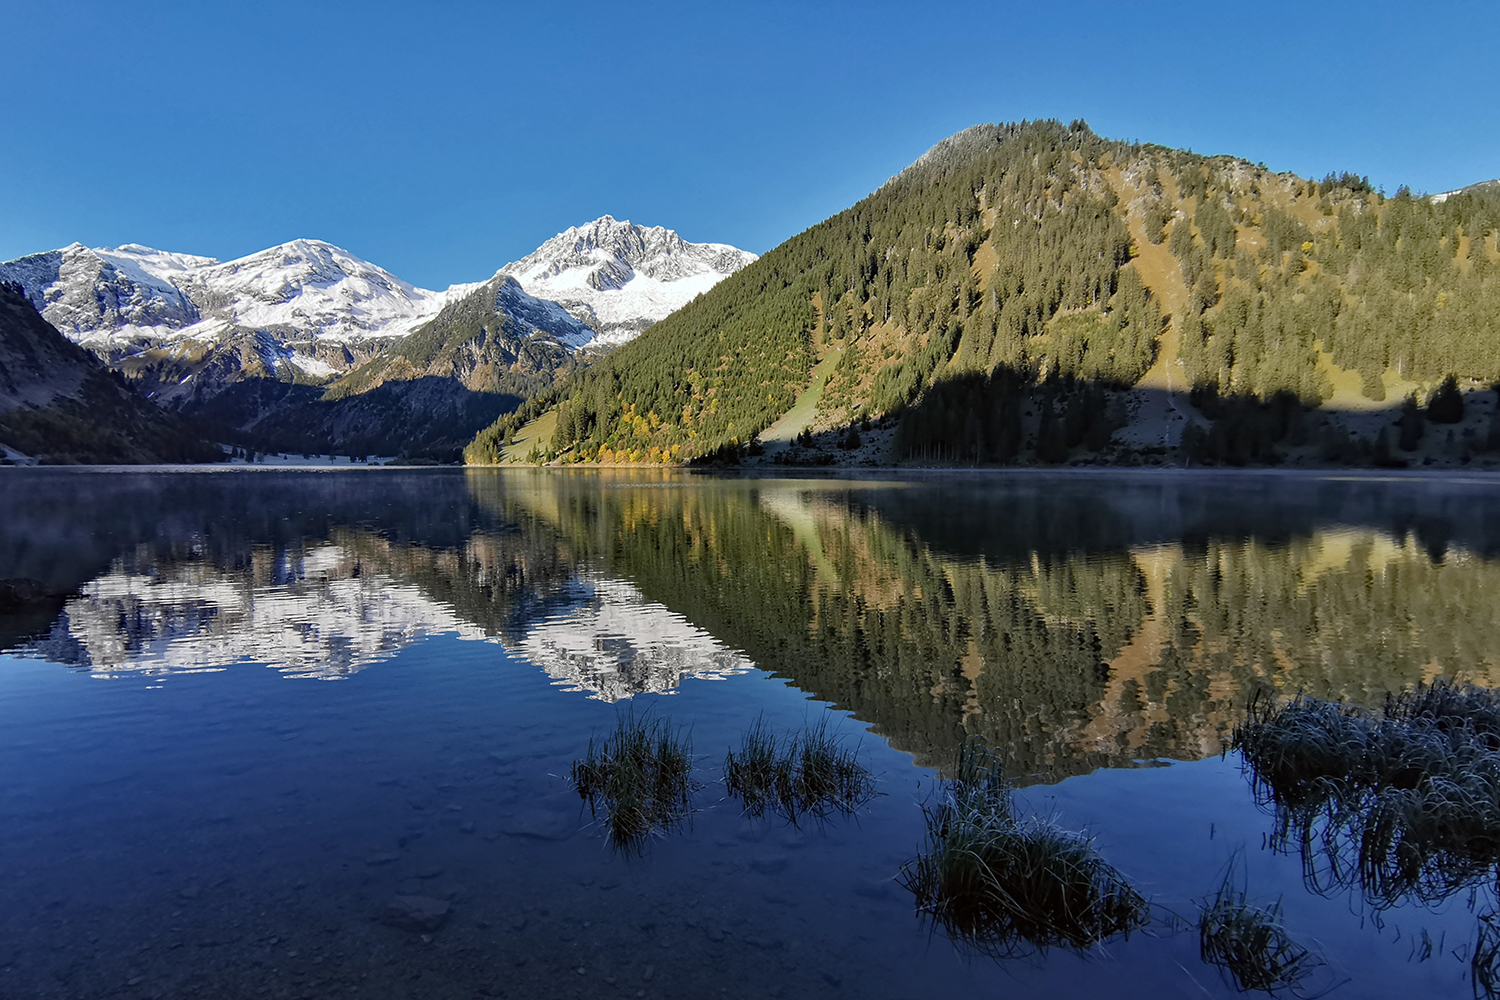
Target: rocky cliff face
59,403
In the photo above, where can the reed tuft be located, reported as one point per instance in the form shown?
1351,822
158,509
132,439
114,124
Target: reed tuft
1250,942
1403,802
640,776
810,773
1005,884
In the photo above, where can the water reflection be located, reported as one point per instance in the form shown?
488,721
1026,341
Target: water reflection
1116,648
1069,621
308,613
933,611
327,599
611,641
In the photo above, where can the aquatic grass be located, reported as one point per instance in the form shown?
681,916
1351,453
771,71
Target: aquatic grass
1251,943
1484,960
641,777
1005,884
1403,802
810,773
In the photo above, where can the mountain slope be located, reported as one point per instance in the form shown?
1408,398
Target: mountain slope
426,394
276,348
184,327
58,403
1034,292
620,278
490,334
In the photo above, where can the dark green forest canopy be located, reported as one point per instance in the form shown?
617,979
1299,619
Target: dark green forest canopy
1018,259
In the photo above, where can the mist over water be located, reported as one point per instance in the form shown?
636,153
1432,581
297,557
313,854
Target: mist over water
245,711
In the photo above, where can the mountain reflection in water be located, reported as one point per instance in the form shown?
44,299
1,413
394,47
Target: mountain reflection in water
1075,622
1075,625
1112,644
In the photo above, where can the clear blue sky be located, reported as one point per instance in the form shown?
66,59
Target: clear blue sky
443,139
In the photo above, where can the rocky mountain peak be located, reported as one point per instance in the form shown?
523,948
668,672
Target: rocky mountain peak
619,277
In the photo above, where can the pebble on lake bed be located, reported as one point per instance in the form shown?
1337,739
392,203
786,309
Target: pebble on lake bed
419,914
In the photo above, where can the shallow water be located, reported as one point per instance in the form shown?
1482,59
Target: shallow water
244,710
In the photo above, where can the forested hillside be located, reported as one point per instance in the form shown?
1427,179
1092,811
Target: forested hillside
1035,292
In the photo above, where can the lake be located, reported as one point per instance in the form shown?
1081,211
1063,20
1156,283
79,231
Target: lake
244,711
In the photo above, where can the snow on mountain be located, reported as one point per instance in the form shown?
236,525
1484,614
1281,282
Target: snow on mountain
108,295
312,289
112,298
619,278
1481,187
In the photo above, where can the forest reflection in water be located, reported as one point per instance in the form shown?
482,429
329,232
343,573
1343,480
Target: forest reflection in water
1071,622
1117,644
1076,622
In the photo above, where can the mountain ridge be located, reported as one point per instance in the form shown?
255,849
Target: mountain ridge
1032,292
280,341
60,404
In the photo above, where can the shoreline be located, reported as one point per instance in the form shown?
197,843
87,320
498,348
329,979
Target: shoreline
851,473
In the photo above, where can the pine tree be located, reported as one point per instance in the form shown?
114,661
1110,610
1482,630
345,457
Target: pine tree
1447,404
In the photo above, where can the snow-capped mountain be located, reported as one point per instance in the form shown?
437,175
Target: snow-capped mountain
314,290
305,290
110,295
289,344
321,310
619,278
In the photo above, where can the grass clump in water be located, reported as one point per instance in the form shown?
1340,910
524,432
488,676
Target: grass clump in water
810,773
1484,960
1250,942
641,776
1403,802
1005,884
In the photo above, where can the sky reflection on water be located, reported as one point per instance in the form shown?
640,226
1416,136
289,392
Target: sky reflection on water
182,835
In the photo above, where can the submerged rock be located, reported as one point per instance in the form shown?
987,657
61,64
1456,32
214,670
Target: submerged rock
418,914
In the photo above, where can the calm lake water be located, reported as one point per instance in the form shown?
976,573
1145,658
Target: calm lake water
241,711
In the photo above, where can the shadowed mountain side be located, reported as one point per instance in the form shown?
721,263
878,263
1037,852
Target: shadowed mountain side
427,417
425,395
190,375
64,528
1057,513
59,404
1004,419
